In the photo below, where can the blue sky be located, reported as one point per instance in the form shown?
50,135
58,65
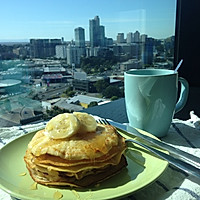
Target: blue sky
25,19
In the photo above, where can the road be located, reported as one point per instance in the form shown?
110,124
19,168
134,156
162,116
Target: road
52,92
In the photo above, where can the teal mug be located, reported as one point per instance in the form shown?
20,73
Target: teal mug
151,98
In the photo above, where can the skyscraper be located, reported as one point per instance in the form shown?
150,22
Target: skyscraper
147,51
80,41
97,33
101,36
143,38
79,37
43,48
137,36
61,51
120,38
73,56
129,38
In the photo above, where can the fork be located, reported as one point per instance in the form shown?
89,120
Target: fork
186,167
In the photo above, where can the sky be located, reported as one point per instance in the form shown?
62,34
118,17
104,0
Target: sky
25,19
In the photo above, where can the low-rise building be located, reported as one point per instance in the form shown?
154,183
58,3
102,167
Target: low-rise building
54,74
83,100
131,64
64,104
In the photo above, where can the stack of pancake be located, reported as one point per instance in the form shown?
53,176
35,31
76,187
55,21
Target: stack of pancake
78,160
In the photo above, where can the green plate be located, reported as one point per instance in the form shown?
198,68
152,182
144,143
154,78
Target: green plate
142,169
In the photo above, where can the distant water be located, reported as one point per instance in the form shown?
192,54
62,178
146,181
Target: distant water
9,64
12,69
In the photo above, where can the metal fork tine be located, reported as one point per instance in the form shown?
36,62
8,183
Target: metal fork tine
99,121
107,121
102,121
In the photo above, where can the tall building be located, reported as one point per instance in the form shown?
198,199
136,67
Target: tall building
129,38
128,51
97,33
137,36
61,51
43,48
143,38
120,38
73,56
79,37
147,51
109,42
101,36
80,40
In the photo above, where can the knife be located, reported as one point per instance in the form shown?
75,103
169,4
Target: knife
177,153
184,166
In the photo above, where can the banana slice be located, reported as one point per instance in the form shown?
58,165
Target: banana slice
87,122
62,126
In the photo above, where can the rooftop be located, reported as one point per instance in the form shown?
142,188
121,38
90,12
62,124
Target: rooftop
9,83
114,110
84,99
62,103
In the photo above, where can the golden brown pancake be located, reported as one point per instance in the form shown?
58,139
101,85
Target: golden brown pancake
77,161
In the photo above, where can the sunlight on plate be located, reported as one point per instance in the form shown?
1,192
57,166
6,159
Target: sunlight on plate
142,169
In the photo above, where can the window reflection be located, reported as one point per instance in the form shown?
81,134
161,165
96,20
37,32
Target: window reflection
44,76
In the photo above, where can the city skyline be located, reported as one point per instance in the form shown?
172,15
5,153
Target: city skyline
23,20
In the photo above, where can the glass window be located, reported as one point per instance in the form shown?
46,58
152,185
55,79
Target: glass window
54,53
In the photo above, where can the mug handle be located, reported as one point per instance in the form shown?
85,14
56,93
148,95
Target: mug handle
183,94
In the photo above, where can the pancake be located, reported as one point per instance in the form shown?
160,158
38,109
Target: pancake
90,178
80,146
83,159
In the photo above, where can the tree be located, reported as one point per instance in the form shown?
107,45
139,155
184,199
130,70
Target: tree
93,103
113,98
101,85
101,69
95,64
71,93
68,89
54,111
112,91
